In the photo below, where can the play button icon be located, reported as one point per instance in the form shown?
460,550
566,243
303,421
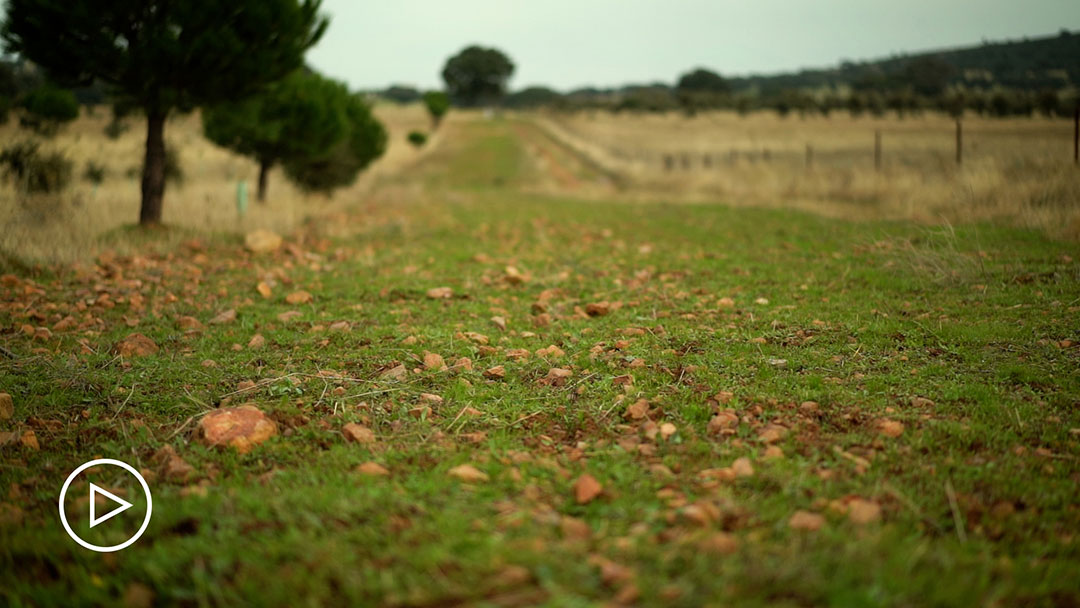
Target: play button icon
95,490
108,503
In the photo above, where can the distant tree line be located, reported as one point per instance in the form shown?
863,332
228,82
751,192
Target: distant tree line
923,85
1019,78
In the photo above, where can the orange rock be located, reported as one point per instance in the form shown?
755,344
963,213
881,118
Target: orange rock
29,439
720,543
468,473
586,488
190,324
597,309
298,297
136,345
637,410
241,428
173,467
743,467
805,520
434,361
372,469
358,433
557,376
551,351
225,316
890,428
861,511
262,241
725,419
7,406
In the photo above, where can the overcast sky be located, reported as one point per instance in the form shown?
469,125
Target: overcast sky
571,43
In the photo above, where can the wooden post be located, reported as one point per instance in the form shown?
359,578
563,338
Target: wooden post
809,156
959,143
1076,136
877,150
669,162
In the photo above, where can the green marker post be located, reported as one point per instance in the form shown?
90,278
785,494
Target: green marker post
241,198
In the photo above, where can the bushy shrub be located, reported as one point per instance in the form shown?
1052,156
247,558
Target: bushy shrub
330,171
174,171
417,138
116,128
437,104
47,108
34,171
341,164
94,173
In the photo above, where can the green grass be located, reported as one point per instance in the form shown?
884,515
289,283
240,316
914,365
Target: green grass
868,316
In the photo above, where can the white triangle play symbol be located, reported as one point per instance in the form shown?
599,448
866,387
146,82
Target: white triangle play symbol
94,491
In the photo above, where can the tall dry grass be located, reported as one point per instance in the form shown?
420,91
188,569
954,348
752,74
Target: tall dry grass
1015,171
68,226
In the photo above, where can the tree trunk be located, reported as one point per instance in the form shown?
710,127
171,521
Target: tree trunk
264,171
153,177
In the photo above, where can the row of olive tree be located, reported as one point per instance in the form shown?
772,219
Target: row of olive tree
165,56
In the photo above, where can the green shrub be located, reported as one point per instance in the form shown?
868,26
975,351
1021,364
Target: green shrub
34,171
417,138
340,165
437,104
94,173
326,173
174,172
48,108
116,128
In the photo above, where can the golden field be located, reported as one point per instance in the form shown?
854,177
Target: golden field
69,226
1014,171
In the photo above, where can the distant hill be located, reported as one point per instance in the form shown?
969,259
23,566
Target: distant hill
1049,62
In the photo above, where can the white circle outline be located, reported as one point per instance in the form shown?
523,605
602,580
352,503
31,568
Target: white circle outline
146,520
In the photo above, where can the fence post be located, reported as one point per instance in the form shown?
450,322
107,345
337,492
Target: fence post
959,143
877,150
1076,136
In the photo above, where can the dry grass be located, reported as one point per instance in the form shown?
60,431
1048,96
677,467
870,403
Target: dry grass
68,226
1016,171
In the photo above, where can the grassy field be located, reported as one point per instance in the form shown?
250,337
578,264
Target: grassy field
1016,172
642,403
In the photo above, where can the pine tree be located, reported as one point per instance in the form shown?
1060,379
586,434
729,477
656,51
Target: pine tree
164,55
299,117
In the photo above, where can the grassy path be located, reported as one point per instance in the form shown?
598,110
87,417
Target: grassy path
751,407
